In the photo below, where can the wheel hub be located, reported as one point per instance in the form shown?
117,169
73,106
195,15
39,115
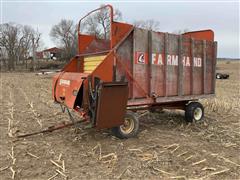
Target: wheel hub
127,126
198,114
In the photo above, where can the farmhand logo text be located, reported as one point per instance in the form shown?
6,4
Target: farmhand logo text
172,60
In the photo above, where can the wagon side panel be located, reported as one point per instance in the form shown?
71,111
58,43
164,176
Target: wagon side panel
172,65
197,84
187,67
124,63
140,64
157,64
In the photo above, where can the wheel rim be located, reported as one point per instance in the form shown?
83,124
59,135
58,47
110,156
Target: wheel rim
128,126
198,114
218,76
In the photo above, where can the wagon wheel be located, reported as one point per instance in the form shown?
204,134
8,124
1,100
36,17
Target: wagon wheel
194,112
130,127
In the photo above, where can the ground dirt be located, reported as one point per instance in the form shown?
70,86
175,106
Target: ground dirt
165,148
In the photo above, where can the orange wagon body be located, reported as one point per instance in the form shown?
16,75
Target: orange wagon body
160,69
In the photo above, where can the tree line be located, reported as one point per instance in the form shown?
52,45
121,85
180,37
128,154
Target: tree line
22,41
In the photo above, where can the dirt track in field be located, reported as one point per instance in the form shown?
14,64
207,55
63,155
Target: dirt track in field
165,148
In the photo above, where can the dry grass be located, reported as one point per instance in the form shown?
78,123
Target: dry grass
227,101
166,147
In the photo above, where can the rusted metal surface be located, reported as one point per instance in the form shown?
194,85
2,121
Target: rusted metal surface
168,65
200,35
111,105
180,67
125,56
97,45
89,43
140,64
52,128
204,79
157,74
173,99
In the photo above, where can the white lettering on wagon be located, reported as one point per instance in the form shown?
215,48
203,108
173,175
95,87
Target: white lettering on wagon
197,62
186,61
157,59
64,82
172,60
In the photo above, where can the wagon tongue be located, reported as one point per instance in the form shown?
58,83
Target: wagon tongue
67,86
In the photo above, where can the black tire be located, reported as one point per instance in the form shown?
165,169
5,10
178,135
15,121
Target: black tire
218,76
132,132
194,112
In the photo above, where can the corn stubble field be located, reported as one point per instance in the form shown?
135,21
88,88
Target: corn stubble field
165,148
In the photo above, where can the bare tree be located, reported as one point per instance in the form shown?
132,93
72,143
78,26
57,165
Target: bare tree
18,40
3,57
98,24
35,37
10,40
149,24
25,43
64,33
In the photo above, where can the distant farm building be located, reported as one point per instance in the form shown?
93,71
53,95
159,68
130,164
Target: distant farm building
51,53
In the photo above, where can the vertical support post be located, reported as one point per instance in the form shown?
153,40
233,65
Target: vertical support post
180,67
214,66
204,76
149,62
165,64
192,66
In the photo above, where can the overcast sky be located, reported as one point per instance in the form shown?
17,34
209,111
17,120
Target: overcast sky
221,17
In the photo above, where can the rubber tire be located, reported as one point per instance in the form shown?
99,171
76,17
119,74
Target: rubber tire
218,76
116,131
189,112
